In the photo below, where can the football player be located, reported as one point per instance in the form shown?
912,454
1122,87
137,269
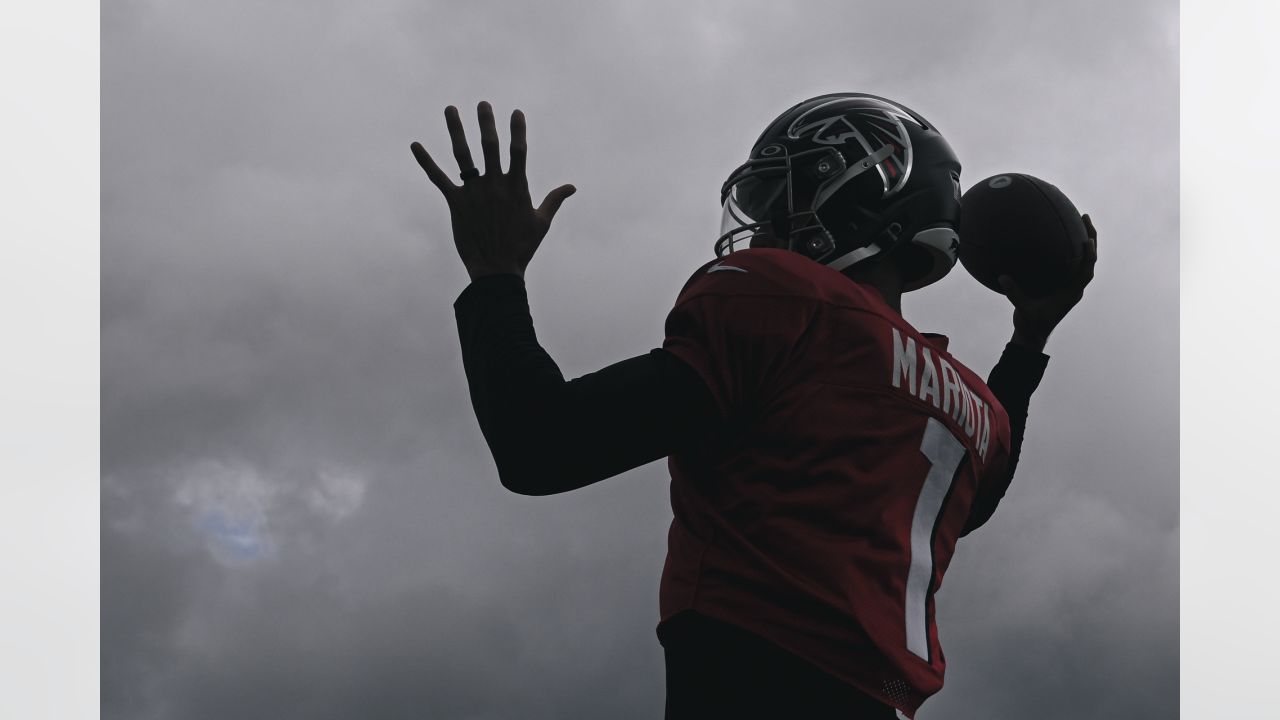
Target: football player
825,456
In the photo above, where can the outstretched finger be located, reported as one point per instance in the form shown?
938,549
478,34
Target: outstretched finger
489,139
461,152
433,170
519,149
551,204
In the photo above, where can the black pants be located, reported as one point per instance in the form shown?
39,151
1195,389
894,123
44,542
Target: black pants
717,670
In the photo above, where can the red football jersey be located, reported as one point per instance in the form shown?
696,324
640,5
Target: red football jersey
825,521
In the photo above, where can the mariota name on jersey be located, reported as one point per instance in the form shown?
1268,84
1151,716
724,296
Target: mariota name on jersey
944,389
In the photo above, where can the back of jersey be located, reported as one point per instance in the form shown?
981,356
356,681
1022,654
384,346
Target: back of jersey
825,521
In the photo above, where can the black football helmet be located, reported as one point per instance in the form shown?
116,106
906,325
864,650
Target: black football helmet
846,177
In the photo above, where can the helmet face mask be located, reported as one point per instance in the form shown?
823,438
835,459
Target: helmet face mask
844,178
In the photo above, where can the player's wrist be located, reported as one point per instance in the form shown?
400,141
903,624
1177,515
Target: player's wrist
1030,340
477,272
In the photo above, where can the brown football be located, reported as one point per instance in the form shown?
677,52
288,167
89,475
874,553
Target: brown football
1019,225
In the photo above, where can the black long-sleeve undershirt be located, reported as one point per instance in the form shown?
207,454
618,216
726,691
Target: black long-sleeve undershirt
548,435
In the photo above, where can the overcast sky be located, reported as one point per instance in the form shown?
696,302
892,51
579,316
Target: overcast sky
300,517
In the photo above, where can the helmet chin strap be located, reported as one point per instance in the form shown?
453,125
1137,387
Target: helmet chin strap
854,256
887,238
941,242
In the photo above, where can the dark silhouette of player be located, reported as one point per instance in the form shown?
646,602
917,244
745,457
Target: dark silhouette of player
825,456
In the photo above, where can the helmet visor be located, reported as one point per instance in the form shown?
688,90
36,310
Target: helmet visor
753,199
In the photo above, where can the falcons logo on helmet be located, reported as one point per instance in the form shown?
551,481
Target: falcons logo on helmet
872,124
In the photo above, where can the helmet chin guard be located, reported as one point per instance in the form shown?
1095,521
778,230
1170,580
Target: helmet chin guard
844,178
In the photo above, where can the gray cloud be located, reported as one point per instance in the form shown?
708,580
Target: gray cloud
300,518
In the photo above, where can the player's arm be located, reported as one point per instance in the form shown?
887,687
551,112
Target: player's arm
1013,380
1020,368
549,435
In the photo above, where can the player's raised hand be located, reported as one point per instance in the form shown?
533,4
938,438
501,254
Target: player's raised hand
1035,317
496,229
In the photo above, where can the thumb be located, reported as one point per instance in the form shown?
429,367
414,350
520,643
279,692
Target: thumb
1011,289
551,204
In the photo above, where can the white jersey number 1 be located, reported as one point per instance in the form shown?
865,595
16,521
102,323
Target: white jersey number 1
944,452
